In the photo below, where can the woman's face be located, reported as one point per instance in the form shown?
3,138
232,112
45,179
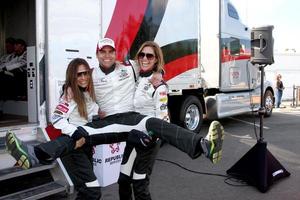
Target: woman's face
147,59
83,76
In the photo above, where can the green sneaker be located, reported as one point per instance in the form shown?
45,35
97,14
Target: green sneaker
212,143
15,148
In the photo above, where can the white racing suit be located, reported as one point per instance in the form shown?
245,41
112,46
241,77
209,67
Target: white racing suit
15,62
79,163
13,72
137,163
5,59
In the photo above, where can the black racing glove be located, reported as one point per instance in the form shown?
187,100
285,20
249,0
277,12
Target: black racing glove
140,139
79,133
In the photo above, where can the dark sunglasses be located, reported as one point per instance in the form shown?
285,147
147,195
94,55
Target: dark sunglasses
85,73
149,56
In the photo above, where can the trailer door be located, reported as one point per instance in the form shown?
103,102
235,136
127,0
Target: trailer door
72,30
36,66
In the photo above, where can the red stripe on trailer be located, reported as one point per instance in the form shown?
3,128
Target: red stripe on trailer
124,32
180,65
226,57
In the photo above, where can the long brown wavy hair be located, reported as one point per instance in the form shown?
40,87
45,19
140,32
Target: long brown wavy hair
72,90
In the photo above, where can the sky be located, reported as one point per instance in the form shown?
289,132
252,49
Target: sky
283,14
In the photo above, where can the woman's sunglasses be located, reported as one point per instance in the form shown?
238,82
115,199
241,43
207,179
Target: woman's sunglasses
85,73
149,56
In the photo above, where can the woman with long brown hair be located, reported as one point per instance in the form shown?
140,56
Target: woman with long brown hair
76,107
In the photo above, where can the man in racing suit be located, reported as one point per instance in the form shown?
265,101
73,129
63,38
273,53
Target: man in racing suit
114,87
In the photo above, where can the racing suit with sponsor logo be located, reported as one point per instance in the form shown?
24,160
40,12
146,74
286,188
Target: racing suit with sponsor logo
78,163
137,163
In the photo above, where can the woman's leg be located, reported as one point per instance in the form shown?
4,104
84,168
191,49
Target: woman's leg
124,181
79,165
187,141
28,155
279,97
142,170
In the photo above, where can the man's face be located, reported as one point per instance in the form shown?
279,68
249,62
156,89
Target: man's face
106,56
9,48
19,49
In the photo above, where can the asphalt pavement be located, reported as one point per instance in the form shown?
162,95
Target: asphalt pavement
177,177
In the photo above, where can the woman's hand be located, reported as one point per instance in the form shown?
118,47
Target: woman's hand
101,114
80,143
156,79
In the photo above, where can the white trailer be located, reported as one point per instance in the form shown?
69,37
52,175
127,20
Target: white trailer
206,50
287,63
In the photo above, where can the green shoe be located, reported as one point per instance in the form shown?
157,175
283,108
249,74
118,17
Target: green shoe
212,143
15,148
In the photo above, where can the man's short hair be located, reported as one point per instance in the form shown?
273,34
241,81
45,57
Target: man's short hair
10,40
22,42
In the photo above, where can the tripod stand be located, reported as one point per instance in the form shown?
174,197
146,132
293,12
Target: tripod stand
258,167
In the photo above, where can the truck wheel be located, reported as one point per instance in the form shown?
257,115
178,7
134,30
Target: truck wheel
269,102
191,114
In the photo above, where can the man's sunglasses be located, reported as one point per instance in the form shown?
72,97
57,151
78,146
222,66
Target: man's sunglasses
85,73
149,56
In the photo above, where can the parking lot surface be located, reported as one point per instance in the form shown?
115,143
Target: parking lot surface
176,176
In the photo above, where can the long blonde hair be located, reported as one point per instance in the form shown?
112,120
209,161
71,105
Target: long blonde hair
72,89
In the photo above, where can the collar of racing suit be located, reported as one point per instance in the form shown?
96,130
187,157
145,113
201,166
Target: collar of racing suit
109,70
146,73
82,89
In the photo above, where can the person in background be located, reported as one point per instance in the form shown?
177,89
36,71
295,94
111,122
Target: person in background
150,100
13,73
19,60
279,90
9,47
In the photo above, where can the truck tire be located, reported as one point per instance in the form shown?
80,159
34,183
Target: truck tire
269,103
191,114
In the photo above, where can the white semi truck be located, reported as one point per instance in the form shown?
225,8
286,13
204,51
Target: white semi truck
205,46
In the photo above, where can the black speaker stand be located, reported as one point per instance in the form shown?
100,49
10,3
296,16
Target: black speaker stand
258,167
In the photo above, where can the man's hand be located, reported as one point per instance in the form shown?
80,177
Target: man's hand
156,79
79,133
80,143
140,139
